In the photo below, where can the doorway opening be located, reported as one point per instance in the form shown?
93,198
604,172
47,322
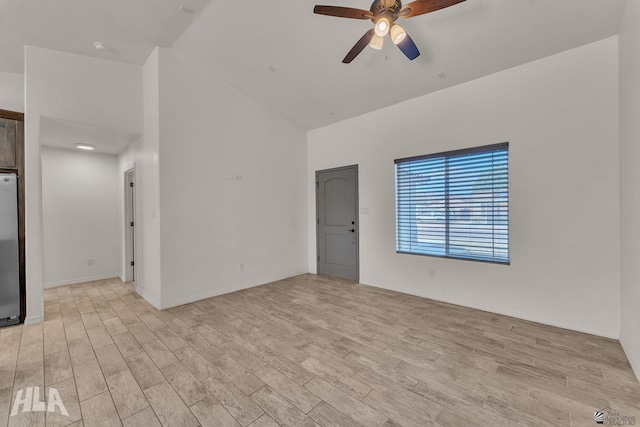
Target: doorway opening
337,222
129,225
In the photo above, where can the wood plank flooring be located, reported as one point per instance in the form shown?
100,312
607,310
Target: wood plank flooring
304,351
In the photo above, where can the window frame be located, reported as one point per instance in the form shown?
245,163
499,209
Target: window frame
447,155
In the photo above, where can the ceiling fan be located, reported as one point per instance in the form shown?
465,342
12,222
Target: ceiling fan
383,13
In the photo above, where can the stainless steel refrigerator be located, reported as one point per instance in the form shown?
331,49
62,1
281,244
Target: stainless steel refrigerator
9,250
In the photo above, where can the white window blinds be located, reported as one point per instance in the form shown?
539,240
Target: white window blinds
455,204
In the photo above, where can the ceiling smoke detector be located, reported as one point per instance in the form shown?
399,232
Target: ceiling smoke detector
101,46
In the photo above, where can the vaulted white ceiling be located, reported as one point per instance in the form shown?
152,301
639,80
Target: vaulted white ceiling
237,41
312,86
132,28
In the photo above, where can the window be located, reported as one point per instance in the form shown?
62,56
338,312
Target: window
455,204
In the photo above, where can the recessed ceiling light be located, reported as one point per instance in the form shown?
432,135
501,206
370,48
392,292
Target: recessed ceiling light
185,9
101,46
87,147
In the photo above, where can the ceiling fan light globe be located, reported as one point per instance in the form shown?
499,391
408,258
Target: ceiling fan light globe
397,34
376,42
382,27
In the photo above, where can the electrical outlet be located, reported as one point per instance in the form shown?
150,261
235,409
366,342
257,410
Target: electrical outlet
90,262
242,266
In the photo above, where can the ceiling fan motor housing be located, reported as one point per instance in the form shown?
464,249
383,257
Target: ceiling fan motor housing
380,7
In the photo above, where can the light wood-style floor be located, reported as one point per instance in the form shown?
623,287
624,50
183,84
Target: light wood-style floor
302,352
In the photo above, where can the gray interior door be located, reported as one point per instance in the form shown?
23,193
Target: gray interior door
337,222
9,249
130,223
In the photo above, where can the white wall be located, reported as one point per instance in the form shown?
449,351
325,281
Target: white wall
560,116
144,154
74,88
12,91
86,90
630,182
79,216
210,224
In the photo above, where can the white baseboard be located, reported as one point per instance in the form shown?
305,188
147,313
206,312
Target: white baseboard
593,331
634,357
226,290
148,298
30,320
50,285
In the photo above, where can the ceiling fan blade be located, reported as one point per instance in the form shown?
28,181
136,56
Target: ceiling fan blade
420,7
359,46
342,12
409,48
